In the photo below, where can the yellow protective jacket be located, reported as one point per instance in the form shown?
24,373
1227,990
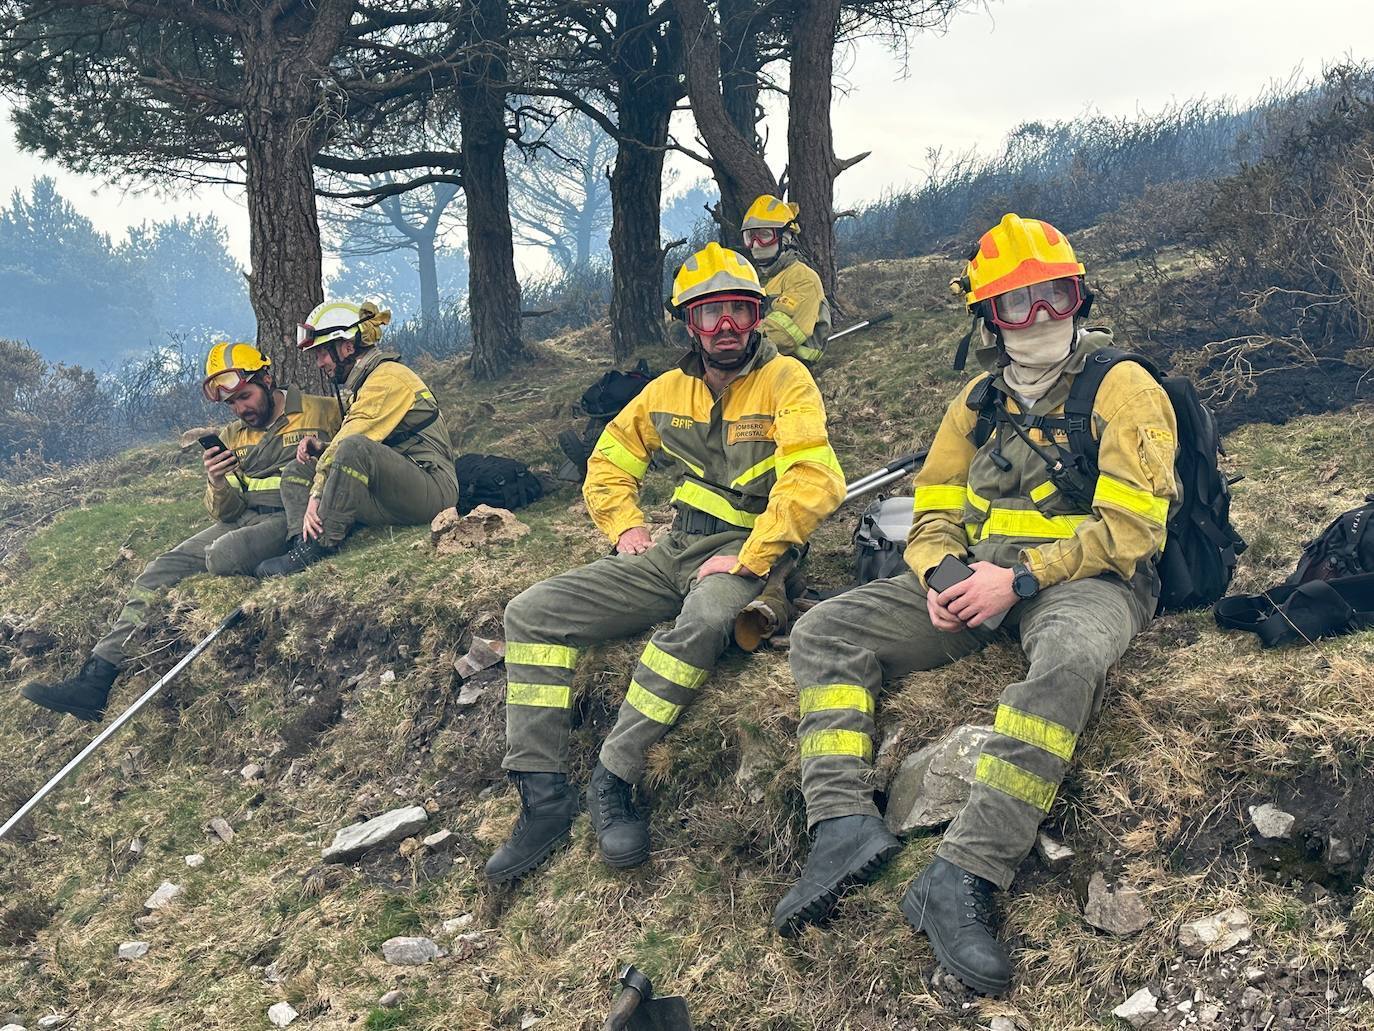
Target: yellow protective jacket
756,457
967,506
798,319
385,401
263,453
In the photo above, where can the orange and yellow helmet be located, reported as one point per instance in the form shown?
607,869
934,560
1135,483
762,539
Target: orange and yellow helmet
1016,252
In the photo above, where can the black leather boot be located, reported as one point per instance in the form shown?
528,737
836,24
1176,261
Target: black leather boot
621,833
305,552
547,806
846,850
83,696
955,910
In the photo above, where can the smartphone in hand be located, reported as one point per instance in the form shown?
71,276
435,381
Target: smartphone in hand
953,570
212,440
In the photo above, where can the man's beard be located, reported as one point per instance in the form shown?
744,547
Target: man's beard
262,418
734,361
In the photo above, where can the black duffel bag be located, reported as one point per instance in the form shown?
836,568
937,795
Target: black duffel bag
495,481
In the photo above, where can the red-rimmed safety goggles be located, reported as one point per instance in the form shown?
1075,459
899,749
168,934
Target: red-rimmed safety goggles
220,387
740,312
306,334
1016,309
760,237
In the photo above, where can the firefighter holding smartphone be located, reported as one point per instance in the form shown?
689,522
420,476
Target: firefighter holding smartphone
243,466
993,538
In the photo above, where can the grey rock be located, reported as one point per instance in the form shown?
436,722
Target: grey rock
390,1000
1271,821
410,952
194,860
1251,999
1119,912
1208,1013
136,847
458,923
133,950
1254,975
351,842
1217,933
13,1027
220,828
53,1021
439,840
1368,983
1139,1010
1338,851
388,676
471,692
1054,854
165,895
283,1014
932,785
253,772
1002,1024
753,769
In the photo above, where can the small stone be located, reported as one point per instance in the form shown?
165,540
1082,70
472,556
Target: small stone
1368,983
390,1000
253,772
220,828
133,950
1054,854
1209,1013
1186,1006
471,693
13,1027
1002,1024
351,842
410,952
1251,998
165,895
283,1014
147,921
931,786
53,1021
1118,912
1285,1008
1254,975
409,847
1271,821
388,676
1338,851
272,974
528,1021
458,923
194,860
1139,1009
484,653
439,840
1218,933
136,847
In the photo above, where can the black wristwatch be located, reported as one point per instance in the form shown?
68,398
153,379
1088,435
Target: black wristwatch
1023,582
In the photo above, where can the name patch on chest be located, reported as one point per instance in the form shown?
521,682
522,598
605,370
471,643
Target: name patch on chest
749,429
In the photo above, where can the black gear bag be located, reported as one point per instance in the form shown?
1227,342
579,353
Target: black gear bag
495,481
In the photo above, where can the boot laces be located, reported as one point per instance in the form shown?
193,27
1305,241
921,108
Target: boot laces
617,800
977,901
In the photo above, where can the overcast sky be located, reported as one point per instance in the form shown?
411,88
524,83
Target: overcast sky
1016,61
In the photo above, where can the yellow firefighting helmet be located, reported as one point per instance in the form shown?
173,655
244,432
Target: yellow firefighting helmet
714,270
228,367
339,320
767,212
1014,253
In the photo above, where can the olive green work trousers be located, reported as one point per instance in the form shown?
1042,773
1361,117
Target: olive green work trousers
844,649
371,484
549,625
233,547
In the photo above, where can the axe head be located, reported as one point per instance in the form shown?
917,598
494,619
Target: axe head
668,1013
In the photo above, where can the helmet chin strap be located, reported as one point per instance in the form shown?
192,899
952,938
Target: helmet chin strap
730,364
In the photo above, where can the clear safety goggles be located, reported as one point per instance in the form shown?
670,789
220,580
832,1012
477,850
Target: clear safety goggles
220,387
308,336
1016,309
760,237
738,311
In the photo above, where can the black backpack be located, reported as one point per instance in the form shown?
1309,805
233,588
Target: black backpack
1200,553
1330,592
495,481
613,391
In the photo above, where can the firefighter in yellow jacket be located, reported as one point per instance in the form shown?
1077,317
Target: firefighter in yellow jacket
798,318
243,494
390,464
1075,578
745,428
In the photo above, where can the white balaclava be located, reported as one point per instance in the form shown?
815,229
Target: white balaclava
1037,355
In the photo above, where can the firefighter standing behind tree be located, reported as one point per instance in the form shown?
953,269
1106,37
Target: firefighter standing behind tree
390,464
1076,578
746,428
798,319
243,494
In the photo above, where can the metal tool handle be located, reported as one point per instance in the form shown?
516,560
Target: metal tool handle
865,324
637,988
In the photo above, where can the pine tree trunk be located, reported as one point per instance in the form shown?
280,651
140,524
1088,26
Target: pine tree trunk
429,277
810,142
636,194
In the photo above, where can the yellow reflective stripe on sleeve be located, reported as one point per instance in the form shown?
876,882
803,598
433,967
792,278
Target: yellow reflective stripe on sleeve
690,465
674,670
651,705
1016,522
423,395
836,696
821,454
1112,491
755,471
262,482
1040,493
1018,783
707,501
355,474
540,696
620,456
807,353
940,498
787,324
1044,734
303,481
837,742
976,500
560,655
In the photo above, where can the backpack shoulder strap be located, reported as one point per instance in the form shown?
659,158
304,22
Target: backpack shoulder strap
1078,407
983,400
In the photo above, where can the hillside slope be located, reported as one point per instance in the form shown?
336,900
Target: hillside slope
339,683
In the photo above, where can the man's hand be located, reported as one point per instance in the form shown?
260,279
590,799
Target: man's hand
984,595
634,541
722,564
218,462
309,449
312,525
940,617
